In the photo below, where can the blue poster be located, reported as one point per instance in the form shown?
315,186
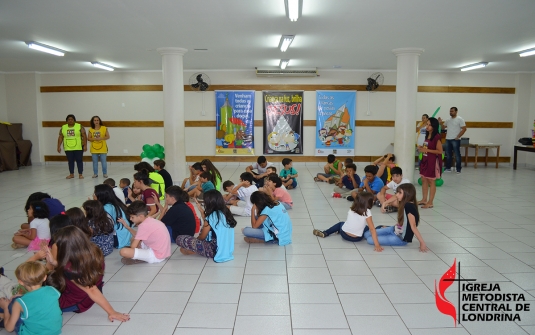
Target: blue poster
234,122
335,123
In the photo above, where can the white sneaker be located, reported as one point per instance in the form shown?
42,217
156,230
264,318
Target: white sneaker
447,170
458,172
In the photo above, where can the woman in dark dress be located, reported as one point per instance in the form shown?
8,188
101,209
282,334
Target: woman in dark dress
431,165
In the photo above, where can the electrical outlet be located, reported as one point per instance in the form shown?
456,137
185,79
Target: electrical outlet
125,151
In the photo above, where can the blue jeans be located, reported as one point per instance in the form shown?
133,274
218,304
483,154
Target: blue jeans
256,233
102,162
453,146
385,236
75,155
19,321
337,228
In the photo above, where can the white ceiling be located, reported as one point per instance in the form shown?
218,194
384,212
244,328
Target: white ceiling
243,34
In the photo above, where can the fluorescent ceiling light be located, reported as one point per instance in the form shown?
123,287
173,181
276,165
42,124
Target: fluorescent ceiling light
529,52
293,9
284,63
285,42
45,48
474,66
103,66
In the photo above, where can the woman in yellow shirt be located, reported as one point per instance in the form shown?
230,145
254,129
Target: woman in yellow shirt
72,136
98,134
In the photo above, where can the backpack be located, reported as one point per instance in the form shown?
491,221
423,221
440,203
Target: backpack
525,141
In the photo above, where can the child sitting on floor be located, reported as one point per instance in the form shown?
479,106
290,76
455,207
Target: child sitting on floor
389,202
191,182
384,165
159,166
371,183
244,190
349,181
273,187
205,185
230,199
358,222
332,169
37,311
288,174
270,221
150,243
124,185
38,231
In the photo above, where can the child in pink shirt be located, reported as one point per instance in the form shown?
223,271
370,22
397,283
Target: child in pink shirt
274,189
152,235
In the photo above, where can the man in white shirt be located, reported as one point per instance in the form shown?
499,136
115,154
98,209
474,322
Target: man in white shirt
261,166
456,128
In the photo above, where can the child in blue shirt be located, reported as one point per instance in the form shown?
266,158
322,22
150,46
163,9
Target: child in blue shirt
349,182
204,186
288,174
371,183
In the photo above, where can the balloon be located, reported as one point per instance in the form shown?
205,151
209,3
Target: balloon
146,159
150,154
420,180
143,155
421,156
146,147
439,182
157,147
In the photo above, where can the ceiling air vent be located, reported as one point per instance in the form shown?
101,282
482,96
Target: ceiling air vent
311,72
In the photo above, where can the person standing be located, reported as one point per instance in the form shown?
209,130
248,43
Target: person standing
72,136
456,128
420,129
431,165
98,134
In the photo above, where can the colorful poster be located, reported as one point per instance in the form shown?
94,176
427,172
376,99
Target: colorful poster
283,122
335,123
234,122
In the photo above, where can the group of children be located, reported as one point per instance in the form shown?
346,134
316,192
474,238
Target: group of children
73,243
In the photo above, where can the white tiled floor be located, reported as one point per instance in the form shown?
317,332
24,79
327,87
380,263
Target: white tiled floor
484,218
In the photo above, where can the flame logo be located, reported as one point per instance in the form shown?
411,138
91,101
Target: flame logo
443,304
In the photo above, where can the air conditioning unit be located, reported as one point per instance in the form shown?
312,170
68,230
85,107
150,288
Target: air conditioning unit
264,72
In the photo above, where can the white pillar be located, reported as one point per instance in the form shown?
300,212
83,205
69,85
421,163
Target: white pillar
406,90
173,111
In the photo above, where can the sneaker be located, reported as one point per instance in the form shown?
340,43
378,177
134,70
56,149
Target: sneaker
447,170
458,172
105,176
390,209
378,203
336,195
318,232
95,176
350,198
331,180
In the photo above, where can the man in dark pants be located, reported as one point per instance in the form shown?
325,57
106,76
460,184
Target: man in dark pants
456,127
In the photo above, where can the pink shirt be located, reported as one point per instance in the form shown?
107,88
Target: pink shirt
155,236
283,196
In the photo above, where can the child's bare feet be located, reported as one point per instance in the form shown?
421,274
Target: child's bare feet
186,251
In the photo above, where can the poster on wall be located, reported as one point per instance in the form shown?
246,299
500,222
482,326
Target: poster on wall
283,122
335,123
234,122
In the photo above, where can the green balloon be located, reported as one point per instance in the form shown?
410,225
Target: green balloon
143,155
439,182
146,147
150,154
421,156
420,180
157,147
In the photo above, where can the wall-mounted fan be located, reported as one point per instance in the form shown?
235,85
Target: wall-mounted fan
199,82
374,81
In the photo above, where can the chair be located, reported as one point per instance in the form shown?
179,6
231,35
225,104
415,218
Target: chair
8,150
24,146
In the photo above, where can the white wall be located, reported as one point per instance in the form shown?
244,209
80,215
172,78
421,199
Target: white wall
21,95
3,102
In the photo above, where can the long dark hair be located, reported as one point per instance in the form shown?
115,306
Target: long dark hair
95,213
93,123
214,202
212,169
37,196
262,200
143,176
78,256
40,210
409,195
78,219
105,195
434,123
144,165
362,203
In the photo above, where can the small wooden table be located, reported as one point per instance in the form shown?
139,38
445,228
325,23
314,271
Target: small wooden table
522,148
485,146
